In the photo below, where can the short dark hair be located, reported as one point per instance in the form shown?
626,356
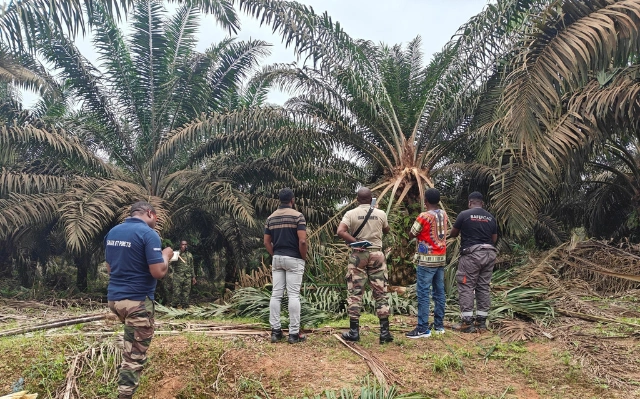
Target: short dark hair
141,206
285,195
432,196
476,196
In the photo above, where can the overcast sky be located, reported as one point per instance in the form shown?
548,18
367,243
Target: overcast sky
389,21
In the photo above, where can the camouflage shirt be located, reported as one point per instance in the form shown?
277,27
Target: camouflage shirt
184,265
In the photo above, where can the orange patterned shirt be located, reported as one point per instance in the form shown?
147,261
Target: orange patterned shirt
430,229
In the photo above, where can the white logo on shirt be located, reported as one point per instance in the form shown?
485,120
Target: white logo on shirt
481,218
114,243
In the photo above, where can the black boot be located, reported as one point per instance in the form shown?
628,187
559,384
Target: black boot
295,338
481,324
465,325
354,331
276,335
385,335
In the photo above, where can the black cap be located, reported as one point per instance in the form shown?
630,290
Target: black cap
476,195
285,195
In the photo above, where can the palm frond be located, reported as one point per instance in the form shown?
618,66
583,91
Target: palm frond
27,210
91,207
21,21
29,183
58,143
584,38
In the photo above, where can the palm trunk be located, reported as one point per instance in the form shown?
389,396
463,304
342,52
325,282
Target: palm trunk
230,270
402,275
82,262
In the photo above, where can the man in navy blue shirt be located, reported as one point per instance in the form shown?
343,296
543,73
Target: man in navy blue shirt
479,232
134,261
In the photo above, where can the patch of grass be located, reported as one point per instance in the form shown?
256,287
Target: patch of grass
574,371
446,363
38,359
193,363
48,372
507,351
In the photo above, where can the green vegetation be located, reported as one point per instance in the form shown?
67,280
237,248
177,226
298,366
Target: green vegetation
534,103
553,148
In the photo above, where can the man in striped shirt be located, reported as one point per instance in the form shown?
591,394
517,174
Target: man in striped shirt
285,237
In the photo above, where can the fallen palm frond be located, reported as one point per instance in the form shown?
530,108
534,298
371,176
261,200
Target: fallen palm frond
249,302
573,278
258,278
196,312
568,272
517,330
208,333
605,268
613,362
20,395
370,390
598,319
104,356
54,324
521,301
378,368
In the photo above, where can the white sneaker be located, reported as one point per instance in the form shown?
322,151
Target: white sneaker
438,331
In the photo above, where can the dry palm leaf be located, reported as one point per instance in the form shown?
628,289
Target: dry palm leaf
55,324
257,278
517,330
20,395
378,368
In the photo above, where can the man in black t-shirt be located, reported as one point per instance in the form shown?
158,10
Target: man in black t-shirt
479,232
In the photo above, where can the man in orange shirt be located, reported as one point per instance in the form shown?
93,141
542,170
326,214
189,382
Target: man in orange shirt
430,230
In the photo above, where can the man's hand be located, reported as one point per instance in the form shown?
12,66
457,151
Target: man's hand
343,233
159,270
193,280
167,253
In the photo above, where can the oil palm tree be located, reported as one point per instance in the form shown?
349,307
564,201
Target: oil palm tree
130,138
21,21
567,89
398,121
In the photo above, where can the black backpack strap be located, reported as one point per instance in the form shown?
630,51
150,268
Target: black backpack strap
359,229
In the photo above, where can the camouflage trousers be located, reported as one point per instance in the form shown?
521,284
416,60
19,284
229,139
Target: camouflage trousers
363,265
137,317
181,283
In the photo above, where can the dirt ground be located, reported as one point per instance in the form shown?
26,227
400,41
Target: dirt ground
581,360
449,366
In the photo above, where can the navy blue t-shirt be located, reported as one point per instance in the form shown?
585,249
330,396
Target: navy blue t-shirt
129,250
476,226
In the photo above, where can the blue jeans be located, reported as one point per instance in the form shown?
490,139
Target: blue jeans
428,276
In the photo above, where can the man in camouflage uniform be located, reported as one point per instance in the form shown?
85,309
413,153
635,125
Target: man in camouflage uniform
134,262
366,263
183,277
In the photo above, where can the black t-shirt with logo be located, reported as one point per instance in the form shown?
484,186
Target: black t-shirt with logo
476,226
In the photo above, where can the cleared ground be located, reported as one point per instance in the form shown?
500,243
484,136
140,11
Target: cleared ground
193,365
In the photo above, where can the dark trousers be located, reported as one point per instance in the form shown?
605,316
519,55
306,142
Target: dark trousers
474,277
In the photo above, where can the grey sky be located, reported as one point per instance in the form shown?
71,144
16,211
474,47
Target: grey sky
389,21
